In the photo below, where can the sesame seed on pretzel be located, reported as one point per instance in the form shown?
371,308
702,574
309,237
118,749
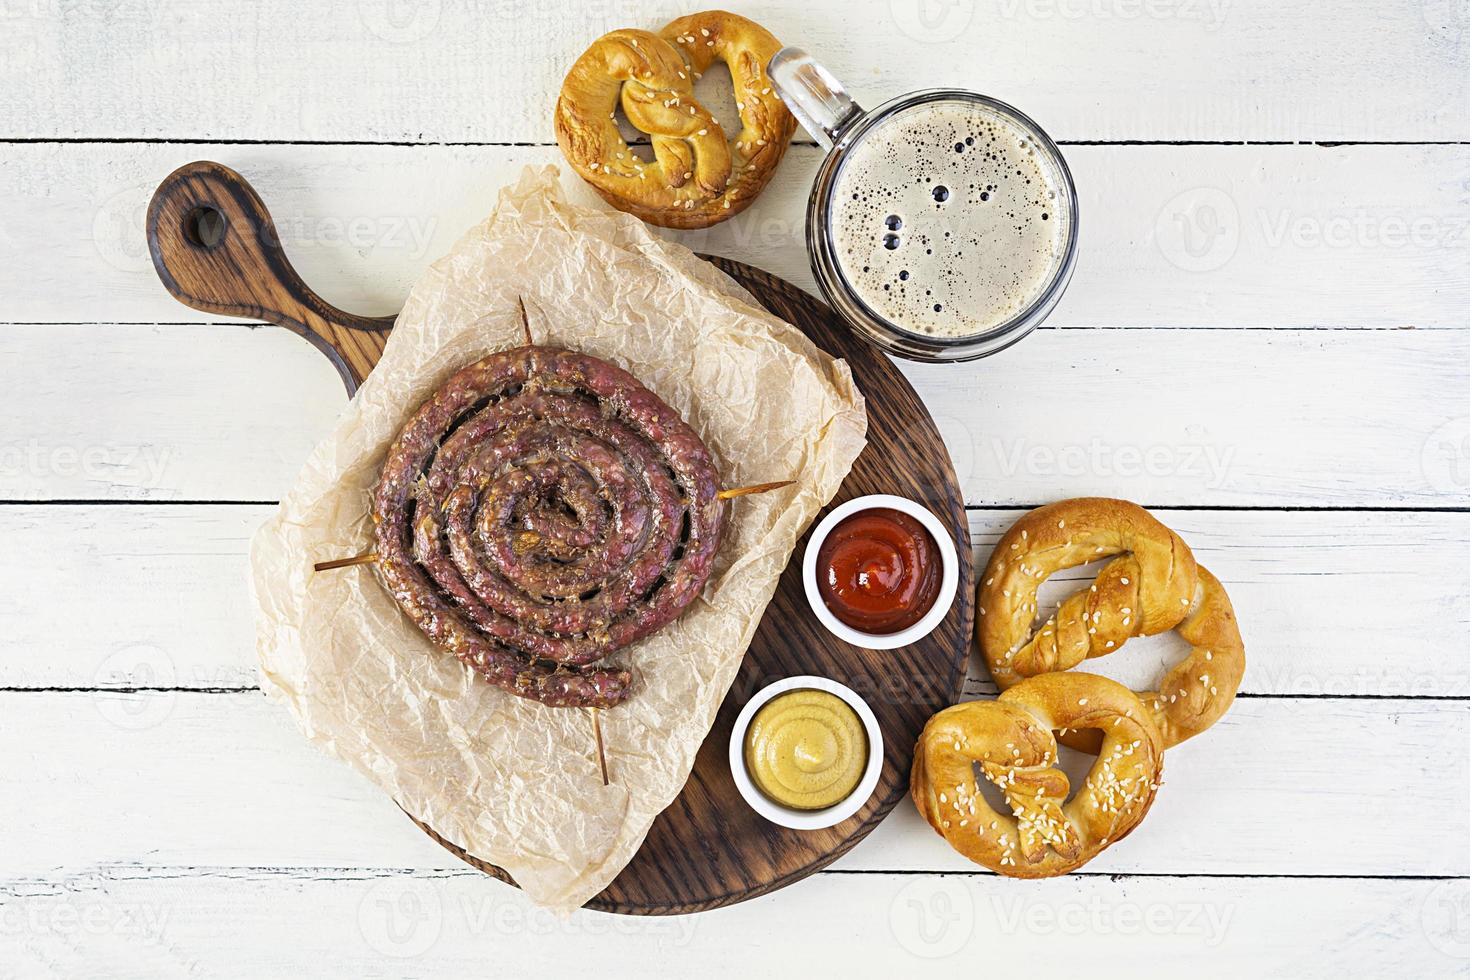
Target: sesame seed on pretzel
1152,586
1011,739
698,177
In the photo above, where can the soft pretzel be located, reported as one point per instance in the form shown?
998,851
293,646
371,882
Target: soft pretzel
698,177
1011,739
1152,586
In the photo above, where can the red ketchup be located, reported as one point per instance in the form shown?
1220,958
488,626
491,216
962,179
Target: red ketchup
878,571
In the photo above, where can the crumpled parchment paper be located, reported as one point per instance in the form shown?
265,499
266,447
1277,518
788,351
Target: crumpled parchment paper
514,782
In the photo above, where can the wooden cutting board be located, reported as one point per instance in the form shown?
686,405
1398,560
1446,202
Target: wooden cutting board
216,249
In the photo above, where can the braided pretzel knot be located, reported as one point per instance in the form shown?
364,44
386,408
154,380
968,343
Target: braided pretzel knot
697,177
1011,740
1154,585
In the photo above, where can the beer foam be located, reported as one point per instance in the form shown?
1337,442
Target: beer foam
945,219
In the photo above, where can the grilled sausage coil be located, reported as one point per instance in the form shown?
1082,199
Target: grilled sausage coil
539,512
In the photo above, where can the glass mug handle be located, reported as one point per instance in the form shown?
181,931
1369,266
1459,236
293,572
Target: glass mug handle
814,96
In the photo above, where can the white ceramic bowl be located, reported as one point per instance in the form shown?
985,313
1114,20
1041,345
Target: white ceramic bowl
806,819
948,582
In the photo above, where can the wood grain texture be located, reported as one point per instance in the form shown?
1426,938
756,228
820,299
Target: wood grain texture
740,855
449,70
1259,418
708,849
163,922
1173,236
162,586
182,833
1283,787
216,249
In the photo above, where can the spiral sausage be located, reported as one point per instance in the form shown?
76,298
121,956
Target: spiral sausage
540,511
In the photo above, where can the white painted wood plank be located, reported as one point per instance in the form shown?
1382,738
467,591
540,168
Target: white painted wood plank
156,923
1298,582
1189,417
441,70
1293,236
136,822
1165,417
138,411
154,596
127,596
1275,784
1280,786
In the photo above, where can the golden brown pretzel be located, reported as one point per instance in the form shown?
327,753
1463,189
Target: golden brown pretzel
1011,739
697,177
1152,586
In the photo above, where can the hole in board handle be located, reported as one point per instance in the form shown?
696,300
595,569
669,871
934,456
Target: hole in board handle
204,226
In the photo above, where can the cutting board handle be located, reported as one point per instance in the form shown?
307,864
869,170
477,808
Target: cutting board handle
216,249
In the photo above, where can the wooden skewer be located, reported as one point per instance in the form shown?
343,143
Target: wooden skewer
371,556
753,488
525,322
368,557
597,734
362,559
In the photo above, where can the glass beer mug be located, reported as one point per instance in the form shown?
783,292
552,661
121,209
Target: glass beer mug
942,225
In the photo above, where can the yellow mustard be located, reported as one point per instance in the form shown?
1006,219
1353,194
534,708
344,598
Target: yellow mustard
806,749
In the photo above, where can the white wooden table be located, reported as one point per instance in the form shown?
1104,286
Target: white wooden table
1267,341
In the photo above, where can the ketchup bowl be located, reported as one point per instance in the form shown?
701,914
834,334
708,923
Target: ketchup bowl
889,560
